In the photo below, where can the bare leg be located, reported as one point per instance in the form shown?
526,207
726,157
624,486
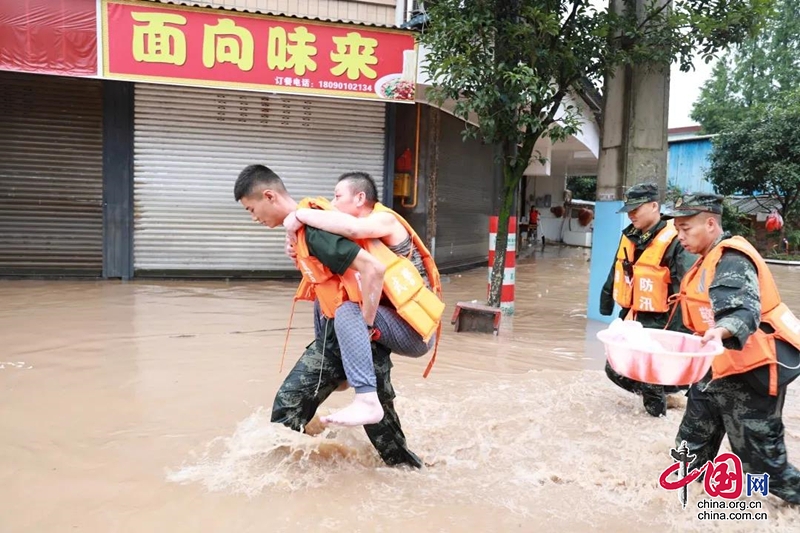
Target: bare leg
351,331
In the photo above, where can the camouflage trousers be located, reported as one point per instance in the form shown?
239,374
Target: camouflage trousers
753,422
654,397
318,373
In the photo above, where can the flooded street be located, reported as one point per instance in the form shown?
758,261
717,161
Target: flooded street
144,406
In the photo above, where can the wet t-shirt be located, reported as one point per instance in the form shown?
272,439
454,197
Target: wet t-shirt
334,251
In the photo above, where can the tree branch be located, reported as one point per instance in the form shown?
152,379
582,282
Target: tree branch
790,202
654,14
568,23
768,208
557,98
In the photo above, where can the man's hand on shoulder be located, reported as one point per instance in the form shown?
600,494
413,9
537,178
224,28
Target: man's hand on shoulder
292,226
290,250
291,223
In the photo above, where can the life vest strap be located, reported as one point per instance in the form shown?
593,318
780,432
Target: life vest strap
435,350
286,340
673,301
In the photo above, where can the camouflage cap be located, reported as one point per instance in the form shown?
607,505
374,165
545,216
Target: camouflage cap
690,205
639,194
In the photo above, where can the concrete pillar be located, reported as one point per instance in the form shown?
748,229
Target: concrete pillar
633,150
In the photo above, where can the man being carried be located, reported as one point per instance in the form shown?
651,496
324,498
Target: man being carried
359,216
319,371
409,313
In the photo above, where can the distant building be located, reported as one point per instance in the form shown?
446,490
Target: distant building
687,159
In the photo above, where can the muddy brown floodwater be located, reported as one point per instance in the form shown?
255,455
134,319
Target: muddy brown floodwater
144,406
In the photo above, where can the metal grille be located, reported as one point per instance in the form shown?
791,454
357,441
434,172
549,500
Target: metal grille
190,145
51,175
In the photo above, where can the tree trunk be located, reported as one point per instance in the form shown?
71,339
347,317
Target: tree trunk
786,207
514,165
507,10
498,268
783,226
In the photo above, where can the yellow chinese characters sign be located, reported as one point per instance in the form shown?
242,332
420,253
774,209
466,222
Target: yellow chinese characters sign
210,47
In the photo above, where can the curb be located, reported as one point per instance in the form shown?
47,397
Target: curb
781,262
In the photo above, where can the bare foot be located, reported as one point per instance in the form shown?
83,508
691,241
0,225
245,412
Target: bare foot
343,386
365,409
314,427
675,401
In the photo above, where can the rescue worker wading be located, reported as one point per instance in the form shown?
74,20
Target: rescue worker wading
647,271
320,370
410,312
729,296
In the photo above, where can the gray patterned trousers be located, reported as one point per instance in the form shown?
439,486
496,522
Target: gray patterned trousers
351,330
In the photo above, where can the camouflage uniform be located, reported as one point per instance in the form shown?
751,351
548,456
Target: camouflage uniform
678,261
750,416
319,372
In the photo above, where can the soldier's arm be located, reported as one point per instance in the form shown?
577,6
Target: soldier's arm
374,226
607,293
678,260
339,254
735,298
333,251
372,272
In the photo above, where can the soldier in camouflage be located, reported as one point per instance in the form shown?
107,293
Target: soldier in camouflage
642,207
319,372
738,404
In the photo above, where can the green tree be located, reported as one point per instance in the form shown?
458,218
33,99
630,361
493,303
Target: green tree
515,64
733,220
715,108
761,154
583,187
760,70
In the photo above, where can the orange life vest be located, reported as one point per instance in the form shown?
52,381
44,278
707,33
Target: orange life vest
419,306
648,291
759,349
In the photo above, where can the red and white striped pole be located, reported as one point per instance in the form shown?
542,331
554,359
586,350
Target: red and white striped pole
507,292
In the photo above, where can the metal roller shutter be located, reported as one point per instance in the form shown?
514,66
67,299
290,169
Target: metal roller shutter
51,175
190,145
465,197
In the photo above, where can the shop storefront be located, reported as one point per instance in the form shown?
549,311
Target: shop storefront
207,116
125,167
51,141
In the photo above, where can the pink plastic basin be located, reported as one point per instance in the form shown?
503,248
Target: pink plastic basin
683,362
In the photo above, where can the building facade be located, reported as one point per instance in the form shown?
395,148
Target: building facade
118,161
123,173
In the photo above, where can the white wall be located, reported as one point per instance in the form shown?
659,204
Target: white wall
552,228
576,235
539,187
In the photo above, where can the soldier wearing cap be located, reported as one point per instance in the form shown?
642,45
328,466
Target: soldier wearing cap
646,273
729,296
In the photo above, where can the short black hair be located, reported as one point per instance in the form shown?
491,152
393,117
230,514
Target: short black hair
715,216
254,175
362,182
